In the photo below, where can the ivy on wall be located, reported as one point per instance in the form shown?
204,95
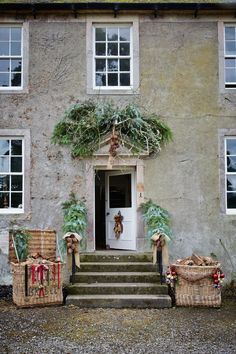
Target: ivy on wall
86,124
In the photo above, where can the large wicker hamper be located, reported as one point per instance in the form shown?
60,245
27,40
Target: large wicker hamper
28,289
195,286
27,293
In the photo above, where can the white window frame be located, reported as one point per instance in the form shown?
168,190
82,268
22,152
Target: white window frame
221,40
130,57
133,22
228,56
24,58
24,135
229,211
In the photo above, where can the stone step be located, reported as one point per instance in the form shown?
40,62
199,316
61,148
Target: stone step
117,267
119,301
117,289
115,277
115,256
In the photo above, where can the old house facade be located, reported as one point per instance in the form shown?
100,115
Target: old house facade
177,60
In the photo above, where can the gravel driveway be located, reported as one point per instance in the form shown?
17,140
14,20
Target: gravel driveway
68,329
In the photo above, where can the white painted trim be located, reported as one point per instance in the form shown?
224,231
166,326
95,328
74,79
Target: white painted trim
25,58
25,135
91,20
221,53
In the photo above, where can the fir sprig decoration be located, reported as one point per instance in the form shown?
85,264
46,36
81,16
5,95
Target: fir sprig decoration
75,216
156,219
21,239
86,124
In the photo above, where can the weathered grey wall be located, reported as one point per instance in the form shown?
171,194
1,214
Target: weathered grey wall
179,81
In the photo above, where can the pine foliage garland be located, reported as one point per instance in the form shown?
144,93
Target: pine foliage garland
86,124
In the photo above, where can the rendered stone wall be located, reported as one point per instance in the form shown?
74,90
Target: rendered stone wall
179,81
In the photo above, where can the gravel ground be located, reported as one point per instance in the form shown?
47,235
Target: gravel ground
68,329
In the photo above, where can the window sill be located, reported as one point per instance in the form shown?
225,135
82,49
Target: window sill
14,91
11,211
91,91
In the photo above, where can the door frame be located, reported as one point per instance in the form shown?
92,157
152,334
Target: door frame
125,163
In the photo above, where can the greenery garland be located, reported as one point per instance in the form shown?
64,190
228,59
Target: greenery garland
156,219
86,124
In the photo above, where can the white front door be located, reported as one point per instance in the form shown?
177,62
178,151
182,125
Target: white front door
121,198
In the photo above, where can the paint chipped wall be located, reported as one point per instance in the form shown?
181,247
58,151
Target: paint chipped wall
179,80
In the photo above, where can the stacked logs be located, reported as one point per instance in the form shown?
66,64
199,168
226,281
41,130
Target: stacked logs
196,260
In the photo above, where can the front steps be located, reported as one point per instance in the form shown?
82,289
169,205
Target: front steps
111,279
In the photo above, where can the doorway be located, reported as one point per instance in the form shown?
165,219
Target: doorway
115,194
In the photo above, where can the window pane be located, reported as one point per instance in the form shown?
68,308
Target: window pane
15,48
231,200
16,164
4,200
124,65
124,79
231,183
112,34
100,64
100,34
100,79
4,164
231,146
4,48
124,34
120,191
230,47
16,200
16,65
16,183
112,79
16,147
4,183
4,80
231,163
112,49
4,147
4,64
229,33
124,48
16,34
100,48
112,64
15,79
230,63
4,33
230,75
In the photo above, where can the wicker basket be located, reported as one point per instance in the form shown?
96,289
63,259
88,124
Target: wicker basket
28,292
195,287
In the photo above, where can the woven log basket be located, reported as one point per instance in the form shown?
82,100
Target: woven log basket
195,286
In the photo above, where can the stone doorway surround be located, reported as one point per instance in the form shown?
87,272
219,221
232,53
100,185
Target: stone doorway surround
124,160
